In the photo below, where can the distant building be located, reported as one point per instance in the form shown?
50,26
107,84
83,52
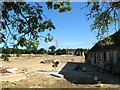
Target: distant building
106,56
77,52
71,51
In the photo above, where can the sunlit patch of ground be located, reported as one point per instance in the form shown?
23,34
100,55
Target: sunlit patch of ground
36,79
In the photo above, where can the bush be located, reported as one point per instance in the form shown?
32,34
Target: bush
51,53
58,52
18,55
5,57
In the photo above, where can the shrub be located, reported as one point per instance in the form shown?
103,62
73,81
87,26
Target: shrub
5,57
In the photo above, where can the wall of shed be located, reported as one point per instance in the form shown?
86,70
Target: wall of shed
101,58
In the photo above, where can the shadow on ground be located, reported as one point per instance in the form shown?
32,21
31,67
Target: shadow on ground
73,72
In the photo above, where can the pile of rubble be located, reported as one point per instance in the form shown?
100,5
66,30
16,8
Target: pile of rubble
12,70
49,61
3,70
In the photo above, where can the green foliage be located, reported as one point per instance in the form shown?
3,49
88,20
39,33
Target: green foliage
6,50
64,51
60,6
27,21
107,41
58,52
69,8
49,38
5,53
61,51
41,51
104,14
5,57
56,6
32,45
51,50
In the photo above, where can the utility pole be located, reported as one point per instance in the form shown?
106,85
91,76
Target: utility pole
56,44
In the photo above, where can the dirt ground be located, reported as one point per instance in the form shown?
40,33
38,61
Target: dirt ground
38,75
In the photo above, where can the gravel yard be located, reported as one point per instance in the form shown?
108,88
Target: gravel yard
38,75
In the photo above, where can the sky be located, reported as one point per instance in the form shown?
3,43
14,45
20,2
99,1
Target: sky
72,28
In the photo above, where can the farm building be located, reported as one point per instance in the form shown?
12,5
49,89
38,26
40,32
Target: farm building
71,51
78,52
106,56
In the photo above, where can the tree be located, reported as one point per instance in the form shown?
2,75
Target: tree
64,51
32,46
41,51
5,54
58,52
51,50
22,22
60,6
26,20
77,52
104,15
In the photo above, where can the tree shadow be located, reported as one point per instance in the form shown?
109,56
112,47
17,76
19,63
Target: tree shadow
73,72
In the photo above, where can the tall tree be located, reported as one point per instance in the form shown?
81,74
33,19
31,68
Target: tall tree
64,51
58,52
41,51
32,46
51,50
22,22
104,15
